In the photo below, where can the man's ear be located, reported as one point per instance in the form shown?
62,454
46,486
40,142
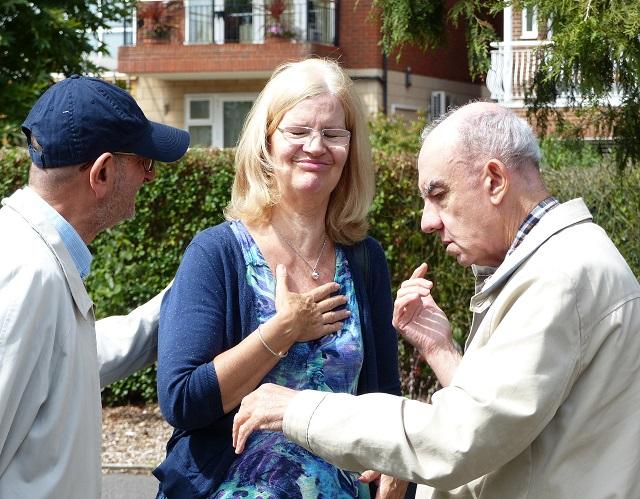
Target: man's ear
495,180
102,174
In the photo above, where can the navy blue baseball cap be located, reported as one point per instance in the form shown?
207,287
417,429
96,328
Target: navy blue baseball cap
79,118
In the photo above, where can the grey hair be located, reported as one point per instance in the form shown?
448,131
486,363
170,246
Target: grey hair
432,125
494,134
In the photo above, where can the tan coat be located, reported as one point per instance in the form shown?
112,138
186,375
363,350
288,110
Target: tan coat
54,358
546,401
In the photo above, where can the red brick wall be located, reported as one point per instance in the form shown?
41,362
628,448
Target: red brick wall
170,58
516,31
359,35
449,62
516,23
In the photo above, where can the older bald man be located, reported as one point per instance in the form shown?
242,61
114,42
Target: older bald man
545,402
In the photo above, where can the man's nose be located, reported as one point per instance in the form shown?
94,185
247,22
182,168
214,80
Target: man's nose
430,221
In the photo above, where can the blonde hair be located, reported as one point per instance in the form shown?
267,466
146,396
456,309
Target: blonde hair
255,189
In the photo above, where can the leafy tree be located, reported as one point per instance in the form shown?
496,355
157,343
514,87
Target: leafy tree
41,37
595,50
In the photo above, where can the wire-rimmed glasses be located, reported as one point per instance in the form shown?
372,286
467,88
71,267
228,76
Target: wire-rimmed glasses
147,163
303,134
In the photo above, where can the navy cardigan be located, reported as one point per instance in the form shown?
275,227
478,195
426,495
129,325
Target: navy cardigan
210,309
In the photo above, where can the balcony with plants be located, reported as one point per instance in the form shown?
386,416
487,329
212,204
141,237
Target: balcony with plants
172,33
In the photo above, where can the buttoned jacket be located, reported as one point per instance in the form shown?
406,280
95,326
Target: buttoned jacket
546,400
54,358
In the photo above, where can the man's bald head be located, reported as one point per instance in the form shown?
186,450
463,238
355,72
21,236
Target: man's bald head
481,131
478,175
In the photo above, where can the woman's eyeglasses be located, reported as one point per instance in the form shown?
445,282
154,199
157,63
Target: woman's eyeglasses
304,134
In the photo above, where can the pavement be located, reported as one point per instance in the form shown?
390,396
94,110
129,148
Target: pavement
128,486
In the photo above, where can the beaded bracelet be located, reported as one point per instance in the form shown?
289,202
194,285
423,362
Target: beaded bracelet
280,355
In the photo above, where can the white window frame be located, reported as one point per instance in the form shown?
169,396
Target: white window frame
444,103
301,21
216,115
396,108
258,21
218,34
188,121
531,34
110,61
187,33
218,22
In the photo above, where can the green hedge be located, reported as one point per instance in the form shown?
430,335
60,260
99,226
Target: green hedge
136,259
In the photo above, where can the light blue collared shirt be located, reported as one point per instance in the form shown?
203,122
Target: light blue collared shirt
73,242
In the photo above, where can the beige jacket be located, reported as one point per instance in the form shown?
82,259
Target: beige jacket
546,400
54,358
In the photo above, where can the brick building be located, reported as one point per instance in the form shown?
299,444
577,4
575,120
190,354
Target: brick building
199,64
515,59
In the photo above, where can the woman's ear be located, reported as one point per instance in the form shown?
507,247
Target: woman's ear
495,180
102,174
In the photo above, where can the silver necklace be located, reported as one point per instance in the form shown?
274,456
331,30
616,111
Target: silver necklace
315,275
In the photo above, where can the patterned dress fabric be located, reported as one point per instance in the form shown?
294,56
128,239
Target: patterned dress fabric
271,466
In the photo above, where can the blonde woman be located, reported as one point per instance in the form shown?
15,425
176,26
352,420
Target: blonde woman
289,290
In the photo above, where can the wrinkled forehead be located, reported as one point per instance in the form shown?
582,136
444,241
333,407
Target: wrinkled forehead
437,156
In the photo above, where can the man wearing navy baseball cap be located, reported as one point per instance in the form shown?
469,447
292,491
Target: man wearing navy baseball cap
92,149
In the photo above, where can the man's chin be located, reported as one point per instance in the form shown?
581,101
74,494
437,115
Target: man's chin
126,217
130,214
461,258
462,261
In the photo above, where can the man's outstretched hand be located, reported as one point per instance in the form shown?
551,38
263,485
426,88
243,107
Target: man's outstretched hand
262,409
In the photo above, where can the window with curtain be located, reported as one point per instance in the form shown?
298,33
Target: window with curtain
216,120
199,21
529,23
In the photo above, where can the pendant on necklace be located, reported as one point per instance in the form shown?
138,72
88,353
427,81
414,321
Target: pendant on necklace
315,275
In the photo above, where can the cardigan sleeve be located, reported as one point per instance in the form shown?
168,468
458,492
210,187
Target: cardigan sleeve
385,336
193,324
380,369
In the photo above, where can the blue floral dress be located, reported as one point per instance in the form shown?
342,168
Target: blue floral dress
271,466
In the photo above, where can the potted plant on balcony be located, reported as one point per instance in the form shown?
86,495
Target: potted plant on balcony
277,29
156,20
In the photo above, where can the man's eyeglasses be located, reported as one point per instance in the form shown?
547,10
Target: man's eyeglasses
146,163
303,134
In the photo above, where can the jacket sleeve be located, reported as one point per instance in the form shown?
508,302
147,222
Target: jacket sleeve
500,399
30,300
127,343
381,309
193,321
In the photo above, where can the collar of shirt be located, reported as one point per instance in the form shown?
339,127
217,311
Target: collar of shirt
530,221
76,247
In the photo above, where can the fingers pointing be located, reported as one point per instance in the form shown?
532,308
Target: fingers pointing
420,271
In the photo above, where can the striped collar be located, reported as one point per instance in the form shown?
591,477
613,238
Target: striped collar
530,221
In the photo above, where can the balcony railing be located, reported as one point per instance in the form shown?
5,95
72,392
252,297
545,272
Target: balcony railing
244,21
513,67
512,70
